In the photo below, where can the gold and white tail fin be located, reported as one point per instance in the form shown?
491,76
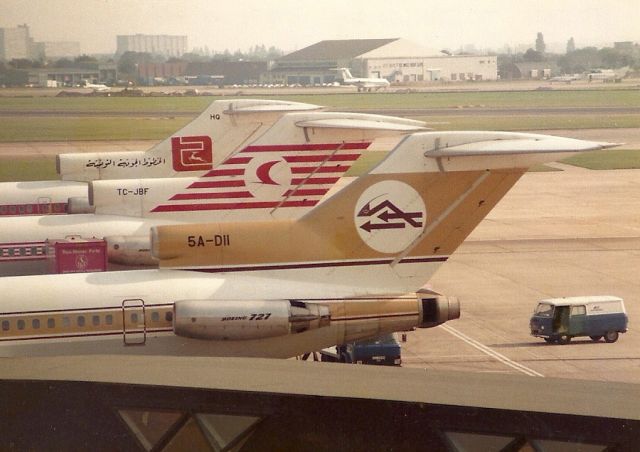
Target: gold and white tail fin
387,231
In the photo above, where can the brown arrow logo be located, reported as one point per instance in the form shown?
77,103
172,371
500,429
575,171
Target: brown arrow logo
391,216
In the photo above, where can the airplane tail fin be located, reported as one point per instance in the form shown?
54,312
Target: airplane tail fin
345,73
223,128
389,230
283,173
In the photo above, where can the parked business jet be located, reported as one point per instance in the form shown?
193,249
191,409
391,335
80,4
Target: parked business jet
226,124
363,84
282,174
349,269
566,78
96,87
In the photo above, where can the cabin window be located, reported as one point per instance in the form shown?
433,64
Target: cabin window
168,316
578,310
51,323
35,324
544,310
95,320
20,324
155,316
134,317
108,319
80,320
5,325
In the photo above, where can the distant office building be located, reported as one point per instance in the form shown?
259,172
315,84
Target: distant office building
15,43
61,49
623,45
166,45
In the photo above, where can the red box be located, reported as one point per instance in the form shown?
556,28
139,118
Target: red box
77,255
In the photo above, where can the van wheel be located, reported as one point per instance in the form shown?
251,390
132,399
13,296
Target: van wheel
611,336
549,340
595,338
564,339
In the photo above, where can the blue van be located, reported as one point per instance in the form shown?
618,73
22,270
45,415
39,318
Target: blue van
561,319
383,351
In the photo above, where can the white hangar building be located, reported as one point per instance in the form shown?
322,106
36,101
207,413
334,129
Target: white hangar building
397,60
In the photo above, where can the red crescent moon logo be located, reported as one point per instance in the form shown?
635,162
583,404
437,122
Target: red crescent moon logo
263,173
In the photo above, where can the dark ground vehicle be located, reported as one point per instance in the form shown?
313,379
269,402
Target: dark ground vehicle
561,319
384,350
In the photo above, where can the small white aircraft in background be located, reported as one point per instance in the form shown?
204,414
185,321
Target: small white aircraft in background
363,84
351,268
566,78
96,87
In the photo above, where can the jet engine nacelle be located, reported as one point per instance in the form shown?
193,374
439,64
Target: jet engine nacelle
243,320
79,204
134,250
437,309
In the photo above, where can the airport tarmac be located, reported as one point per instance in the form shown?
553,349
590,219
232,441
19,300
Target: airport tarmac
569,233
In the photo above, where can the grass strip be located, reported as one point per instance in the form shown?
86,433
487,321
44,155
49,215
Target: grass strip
607,159
65,128
195,104
87,128
531,122
20,169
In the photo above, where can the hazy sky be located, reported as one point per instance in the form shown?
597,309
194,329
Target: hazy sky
294,24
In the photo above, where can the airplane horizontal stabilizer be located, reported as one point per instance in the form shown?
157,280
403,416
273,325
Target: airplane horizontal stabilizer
470,151
524,145
267,106
406,126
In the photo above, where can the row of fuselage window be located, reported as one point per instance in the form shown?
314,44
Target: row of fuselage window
77,321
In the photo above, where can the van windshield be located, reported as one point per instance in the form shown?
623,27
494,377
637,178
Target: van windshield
544,310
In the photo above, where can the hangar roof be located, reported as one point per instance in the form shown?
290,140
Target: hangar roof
337,49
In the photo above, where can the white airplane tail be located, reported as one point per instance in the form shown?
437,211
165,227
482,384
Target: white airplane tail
386,232
345,73
286,171
195,149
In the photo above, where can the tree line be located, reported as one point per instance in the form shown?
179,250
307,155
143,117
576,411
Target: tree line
577,60
128,61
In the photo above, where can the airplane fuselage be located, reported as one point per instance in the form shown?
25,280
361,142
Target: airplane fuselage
135,313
